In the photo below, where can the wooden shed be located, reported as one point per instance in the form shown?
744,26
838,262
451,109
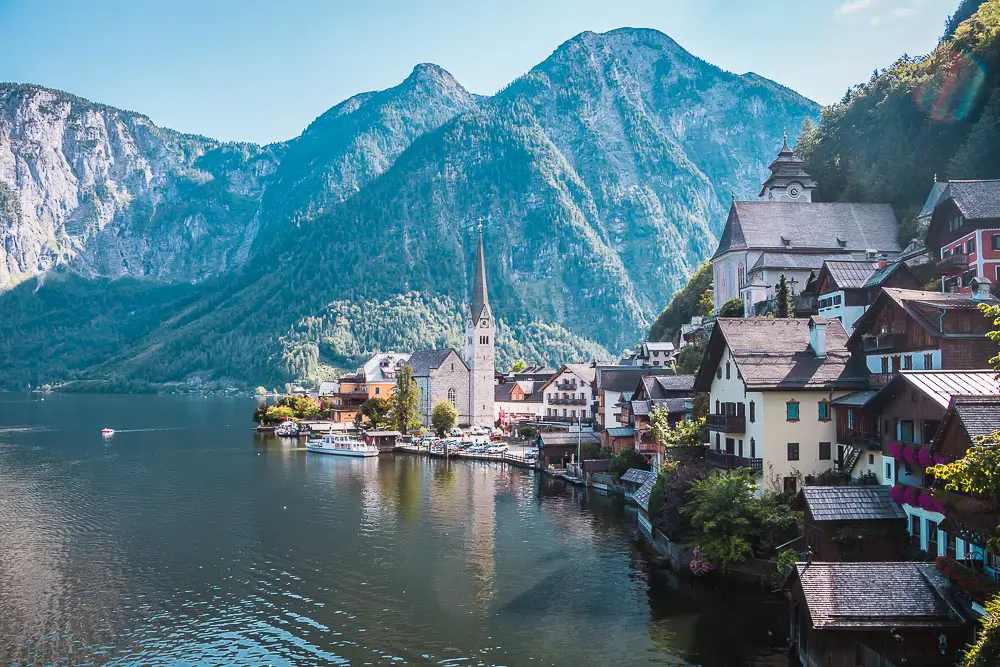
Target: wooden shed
852,523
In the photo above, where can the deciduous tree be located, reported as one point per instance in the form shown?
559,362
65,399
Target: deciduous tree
444,416
405,402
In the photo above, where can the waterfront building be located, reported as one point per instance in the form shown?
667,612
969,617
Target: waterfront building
638,484
556,449
569,395
875,614
964,228
611,383
673,393
785,232
852,523
845,288
770,384
916,330
441,375
518,400
380,371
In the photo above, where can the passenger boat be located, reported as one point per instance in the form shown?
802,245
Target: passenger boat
341,445
107,432
286,429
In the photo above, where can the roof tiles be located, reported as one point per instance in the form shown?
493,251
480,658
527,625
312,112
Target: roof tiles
851,503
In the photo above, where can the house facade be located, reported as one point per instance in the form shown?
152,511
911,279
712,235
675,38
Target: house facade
785,232
771,383
845,288
964,227
570,395
517,401
441,375
611,384
673,393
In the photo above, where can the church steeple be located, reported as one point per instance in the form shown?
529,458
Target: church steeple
788,180
480,298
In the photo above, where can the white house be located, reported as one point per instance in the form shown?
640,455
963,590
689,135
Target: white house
770,383
570,394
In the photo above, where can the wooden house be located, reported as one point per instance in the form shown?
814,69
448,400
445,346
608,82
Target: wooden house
852,523
876,615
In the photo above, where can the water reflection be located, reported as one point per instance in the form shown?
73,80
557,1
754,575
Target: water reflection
218,546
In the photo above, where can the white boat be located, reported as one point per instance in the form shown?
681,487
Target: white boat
107,432
341,445
286,429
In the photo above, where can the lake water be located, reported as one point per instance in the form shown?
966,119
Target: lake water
189,540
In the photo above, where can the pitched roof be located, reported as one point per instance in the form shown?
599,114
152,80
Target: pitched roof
775,354
787,168
916,304
621,431
531,389
586,372
851,503
480,299
640,408
879,276
849,274
941,386
976,200
664,386
789,260
622,379
912,595
858,399
637,476
375,368
979,414
831,226
422,362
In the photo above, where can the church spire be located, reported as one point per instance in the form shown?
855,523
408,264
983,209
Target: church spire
480,299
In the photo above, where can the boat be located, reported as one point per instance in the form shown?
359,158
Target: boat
287,429
341,445
107,432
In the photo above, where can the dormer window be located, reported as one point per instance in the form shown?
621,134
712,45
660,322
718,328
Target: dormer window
786,241
842,243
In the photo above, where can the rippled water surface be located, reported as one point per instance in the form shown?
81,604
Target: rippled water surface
188,540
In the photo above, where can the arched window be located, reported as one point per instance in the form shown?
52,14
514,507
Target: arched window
741,274
453,397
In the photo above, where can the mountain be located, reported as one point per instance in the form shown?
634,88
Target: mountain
922,118
602,177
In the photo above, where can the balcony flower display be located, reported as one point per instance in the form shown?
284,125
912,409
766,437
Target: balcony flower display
924,457
896,493
910,454
926,502
895,450
940,460
910,496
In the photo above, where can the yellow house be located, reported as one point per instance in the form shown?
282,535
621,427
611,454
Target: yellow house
770,383
376,379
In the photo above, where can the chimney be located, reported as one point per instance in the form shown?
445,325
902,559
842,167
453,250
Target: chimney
882,261
981,289
817,336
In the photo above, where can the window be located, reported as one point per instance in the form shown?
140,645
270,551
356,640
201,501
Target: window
718,372
850,418
896,363
871,459
730,446
792,410
837,299
932,538
998,274
824,411
929,360
753,412
378,390
453,397
741,277
739,451
573,414
951,285
885,364
789,485
996,241
968,277
915,527
824,451
793,451
906,430
718,442
753,448
945,253
717,407
907,362
955,223
971,246
888,472
727,370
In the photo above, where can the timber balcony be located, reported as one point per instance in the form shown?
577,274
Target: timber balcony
953,263
879,380
726,461
567,401
566,386
886,341
727,423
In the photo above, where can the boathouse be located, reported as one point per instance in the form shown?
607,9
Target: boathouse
556,449
876,615
852,523
384,440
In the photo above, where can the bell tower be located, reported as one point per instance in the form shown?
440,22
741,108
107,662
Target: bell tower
788,180
480,341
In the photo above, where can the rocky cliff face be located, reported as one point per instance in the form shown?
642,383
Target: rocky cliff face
111,194
603,176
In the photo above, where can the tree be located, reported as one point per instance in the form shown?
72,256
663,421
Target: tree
405,401
683,305
261,391
444,416
590,451
626,460
681,439
783,298
690,357
518,366
975,474
527,431
279,413
986,651
706,302
717,509
732,308
376,411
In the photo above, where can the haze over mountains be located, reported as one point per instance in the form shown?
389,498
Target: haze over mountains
602,177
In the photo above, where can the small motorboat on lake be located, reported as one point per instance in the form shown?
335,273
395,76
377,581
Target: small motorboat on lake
287,429
341,445
107,432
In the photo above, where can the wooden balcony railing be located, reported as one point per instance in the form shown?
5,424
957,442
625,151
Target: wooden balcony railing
732,461
727,423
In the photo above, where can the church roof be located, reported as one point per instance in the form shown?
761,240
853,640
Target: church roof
787,168
789,260
809,226
480,298
422,362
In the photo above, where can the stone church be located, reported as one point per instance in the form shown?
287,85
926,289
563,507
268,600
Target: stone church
443,375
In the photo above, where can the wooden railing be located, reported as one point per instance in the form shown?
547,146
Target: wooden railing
731,461
727,423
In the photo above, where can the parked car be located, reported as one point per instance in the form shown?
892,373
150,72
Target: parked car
496,449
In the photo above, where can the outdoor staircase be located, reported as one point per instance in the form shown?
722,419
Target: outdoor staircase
851,455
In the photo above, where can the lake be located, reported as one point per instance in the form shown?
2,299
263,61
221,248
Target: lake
187,539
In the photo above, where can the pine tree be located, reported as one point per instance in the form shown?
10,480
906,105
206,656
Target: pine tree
783,299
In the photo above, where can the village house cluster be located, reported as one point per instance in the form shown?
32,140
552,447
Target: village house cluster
881,371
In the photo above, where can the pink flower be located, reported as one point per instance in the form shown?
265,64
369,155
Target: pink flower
894,449
910,455
909,496
940,460
896,493
924,457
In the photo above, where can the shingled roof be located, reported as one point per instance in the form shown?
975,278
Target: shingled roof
775,354
909,595
787,260
804,226
922,306
976,200
979,415
940,386
622,379
849,274
422,362
851,503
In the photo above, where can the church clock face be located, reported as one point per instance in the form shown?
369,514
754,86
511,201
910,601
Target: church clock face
484,323
794,192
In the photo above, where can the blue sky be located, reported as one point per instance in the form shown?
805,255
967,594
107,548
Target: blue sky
261,71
